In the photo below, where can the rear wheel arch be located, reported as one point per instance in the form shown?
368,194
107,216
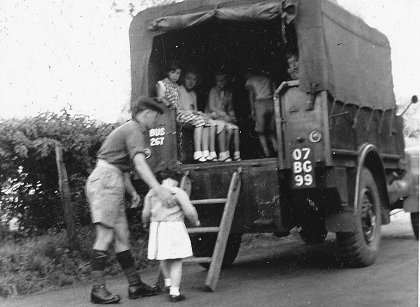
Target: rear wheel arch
360,247
369,158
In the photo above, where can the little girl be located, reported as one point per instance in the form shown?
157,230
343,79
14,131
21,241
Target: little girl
168,237
187,113
178,98
168,88
220,108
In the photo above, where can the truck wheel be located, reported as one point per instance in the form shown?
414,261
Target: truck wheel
203,246
415,224
313,235
360,248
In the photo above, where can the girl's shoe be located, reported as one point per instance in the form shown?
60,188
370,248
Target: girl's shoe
212,156
204,156
176,298
236,156
197,155
224,157
202,159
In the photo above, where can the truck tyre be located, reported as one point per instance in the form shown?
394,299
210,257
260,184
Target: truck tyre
415,224
360,248
313,235
203,246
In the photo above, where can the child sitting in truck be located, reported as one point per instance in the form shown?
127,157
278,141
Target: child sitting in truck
187,113
184,99
168,237
168,88
219,107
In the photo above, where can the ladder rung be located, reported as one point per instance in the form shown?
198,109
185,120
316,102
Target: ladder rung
203,229
209,201
198,259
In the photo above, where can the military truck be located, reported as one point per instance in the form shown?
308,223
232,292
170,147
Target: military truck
340,165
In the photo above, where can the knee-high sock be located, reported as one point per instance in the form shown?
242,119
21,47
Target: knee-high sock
127,264
98,263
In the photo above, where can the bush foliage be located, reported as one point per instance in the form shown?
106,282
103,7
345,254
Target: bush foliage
28,171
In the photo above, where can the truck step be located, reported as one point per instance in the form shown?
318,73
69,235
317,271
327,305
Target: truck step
209,201
198,259
203,229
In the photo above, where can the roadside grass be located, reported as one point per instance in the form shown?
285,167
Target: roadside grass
45,263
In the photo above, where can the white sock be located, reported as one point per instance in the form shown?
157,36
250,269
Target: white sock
205,153
174,291
167,282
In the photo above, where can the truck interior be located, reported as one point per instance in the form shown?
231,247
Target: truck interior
233,46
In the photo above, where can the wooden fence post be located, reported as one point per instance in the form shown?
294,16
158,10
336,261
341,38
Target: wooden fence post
65,197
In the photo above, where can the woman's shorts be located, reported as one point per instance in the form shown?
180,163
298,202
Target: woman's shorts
264,115
105,193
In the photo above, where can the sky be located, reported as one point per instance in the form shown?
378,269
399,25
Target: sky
58,54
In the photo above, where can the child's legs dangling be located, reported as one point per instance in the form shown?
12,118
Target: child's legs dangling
205,139
198,131
221,137
236,139
229,133
263,142
212,137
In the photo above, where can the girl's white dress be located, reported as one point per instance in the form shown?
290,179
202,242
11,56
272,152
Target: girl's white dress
168,240
168,236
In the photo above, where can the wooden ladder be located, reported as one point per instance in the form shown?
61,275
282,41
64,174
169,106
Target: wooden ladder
222,231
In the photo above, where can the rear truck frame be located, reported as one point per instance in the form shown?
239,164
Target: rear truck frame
340,166
311,184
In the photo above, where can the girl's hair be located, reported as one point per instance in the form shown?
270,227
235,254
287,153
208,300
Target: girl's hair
221,71
190,69
171,170
172,66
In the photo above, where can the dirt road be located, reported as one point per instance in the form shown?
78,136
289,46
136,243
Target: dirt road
283,272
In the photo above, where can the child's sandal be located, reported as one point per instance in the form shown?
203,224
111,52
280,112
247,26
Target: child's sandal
176,298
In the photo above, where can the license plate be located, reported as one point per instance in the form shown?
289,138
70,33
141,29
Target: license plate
303,172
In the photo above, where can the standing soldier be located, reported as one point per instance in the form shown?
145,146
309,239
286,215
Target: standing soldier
123,149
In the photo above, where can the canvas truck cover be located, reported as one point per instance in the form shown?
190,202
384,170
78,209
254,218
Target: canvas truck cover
338,52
